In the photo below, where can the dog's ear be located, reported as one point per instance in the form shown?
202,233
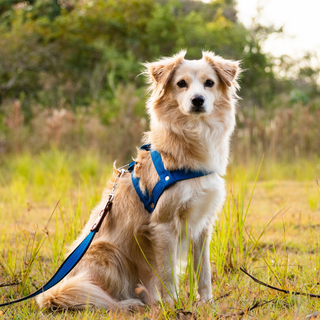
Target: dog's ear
227,70
160,72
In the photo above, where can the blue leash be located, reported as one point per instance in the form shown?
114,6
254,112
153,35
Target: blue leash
65,268
77,254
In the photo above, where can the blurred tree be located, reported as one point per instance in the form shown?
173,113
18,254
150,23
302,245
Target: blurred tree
57,52
48,8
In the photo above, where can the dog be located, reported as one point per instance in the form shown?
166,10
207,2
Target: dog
192,110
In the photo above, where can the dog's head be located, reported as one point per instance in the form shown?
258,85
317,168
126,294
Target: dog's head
193,88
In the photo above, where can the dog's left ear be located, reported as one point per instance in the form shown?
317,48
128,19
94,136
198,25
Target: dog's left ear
161,72
227,70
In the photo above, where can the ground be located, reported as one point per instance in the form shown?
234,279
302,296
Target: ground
274,236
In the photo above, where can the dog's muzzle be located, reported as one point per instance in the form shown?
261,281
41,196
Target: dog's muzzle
197,104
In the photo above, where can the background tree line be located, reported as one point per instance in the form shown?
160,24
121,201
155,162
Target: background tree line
84,57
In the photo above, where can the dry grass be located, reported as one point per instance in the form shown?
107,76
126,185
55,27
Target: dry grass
285,254
115,127
282,133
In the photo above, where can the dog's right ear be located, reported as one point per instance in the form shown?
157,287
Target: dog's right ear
160,72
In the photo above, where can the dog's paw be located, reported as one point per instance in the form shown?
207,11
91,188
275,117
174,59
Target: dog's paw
205,297
130,304
143,294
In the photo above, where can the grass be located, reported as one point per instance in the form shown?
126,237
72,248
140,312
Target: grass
46,199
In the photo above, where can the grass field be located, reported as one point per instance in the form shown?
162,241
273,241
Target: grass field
274,235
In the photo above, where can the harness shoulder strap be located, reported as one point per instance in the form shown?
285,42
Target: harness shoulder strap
182,174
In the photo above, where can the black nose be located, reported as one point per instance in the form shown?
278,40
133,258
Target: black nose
197,101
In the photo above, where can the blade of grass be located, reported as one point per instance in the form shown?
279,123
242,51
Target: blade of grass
250,235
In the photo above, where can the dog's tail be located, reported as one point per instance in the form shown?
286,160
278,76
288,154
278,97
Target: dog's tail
78,292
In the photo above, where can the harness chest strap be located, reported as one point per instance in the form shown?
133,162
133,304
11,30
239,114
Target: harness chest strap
167,179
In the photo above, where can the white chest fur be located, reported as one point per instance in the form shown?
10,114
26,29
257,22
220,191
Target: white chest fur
195,202
203,200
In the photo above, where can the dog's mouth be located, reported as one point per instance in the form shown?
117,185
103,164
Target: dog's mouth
197,110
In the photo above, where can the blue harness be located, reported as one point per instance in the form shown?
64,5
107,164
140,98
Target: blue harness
167,178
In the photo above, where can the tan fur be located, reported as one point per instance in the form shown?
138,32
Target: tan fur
114,273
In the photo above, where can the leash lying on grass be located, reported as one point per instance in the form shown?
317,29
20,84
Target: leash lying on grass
78,253
311,295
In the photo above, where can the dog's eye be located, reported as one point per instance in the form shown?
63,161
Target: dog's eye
209,83
182,84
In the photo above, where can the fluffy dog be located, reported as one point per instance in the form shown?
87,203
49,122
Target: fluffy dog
192,112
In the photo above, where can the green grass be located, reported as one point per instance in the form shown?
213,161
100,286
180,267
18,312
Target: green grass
271,228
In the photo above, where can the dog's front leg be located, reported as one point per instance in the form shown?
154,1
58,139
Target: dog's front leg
204,286
165,245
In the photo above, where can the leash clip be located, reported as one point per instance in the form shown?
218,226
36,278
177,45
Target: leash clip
121,169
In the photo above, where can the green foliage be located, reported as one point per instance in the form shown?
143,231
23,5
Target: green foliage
59,53
84,57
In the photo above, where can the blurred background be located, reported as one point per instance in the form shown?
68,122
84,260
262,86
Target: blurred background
68,72
71,102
